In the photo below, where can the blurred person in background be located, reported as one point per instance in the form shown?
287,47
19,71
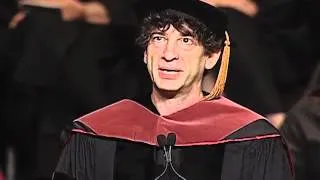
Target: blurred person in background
280,37
251,79
271,38
289,34
8,8
289,31
301,128
67,60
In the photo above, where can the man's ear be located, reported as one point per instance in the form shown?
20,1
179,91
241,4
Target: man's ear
145,57
212,60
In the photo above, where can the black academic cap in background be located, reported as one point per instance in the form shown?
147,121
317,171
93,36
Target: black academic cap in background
209,15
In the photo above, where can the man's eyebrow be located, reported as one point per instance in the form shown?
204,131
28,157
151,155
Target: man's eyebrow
188,33
157,33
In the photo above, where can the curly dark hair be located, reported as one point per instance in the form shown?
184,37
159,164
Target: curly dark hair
185,24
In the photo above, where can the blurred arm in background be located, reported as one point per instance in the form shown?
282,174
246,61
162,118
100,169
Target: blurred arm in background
92,12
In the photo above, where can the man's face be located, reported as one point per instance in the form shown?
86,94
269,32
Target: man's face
175,61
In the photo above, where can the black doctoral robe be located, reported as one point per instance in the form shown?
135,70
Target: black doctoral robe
97,150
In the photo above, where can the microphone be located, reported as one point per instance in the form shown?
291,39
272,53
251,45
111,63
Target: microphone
162,140
171,139
168,142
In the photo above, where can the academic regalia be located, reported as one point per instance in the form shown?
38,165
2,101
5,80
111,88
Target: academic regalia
120,142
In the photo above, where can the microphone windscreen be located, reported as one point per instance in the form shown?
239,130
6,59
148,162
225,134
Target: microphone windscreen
171,139
161,139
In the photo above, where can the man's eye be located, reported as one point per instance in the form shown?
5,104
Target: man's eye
186,41
158,38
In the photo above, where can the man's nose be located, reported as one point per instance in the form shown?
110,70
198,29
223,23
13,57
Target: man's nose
170,51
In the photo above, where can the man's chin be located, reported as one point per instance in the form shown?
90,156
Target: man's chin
168,92
168,87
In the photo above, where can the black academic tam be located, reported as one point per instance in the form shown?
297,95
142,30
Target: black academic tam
209,15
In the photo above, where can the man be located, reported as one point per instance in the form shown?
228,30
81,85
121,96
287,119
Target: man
180,132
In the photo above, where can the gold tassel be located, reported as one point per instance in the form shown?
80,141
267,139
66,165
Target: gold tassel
223,71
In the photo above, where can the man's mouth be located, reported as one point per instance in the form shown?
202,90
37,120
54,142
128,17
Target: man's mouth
169,73
169,70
